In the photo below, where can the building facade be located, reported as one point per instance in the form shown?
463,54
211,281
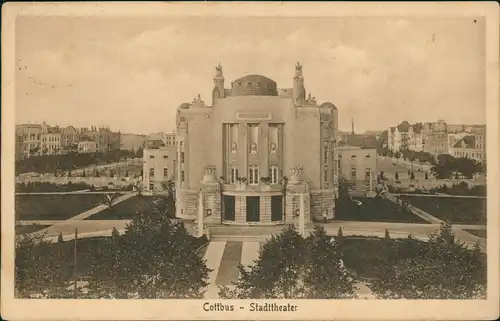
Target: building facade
247,158
436,138
87,146
358,167
132,142
69,139
30,137
51,142
158,167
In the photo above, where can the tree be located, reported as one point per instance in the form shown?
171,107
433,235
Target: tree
40,270
110,199
426,175
154,258
442,268
83,174
290,266
412,176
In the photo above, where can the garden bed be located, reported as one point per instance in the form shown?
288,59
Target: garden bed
54,207
374,210
454,210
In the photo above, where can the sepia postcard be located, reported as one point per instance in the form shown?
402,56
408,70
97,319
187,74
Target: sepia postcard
250,161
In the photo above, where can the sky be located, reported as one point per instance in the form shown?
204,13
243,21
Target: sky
132,73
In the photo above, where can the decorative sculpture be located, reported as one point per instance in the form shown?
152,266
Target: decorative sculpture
273,148
234,147
297,171
210,169
253,148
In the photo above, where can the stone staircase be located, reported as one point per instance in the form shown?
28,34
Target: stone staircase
243,233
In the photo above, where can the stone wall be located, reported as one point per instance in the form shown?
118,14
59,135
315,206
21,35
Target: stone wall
187,204
320,201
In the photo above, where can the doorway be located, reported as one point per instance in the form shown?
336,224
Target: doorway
253,208
276,208
229,212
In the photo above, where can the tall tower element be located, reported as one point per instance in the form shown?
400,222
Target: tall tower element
352,125
218,91
299,91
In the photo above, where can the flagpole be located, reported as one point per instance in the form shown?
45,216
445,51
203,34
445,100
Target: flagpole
75,289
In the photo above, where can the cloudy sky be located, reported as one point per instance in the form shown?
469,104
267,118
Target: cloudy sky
131,74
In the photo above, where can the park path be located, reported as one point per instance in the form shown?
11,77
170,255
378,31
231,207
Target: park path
420,213
56,228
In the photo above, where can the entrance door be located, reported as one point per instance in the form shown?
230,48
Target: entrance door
253,208
276,208
229,208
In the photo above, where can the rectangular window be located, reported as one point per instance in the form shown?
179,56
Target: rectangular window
367,174
274,174
326,176
254,133
165,156
182,176
165,172
253,175
151,186
182,157
233,175
151,172
325,156
151,157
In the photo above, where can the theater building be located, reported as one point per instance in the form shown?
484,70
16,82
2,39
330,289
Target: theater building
252,155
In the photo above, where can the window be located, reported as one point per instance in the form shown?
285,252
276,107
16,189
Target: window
165,172
367,174
182,176
325,156
151,172
233,175
353,174
274,174
253,174
353,156
151,186
182,157
326,176
367,156
151,157
165,156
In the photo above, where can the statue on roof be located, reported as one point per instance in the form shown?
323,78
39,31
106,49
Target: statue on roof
298,69
218,70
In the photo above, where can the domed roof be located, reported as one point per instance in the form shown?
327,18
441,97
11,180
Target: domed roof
254,85
328,105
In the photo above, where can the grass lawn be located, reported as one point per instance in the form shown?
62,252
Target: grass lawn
478,233
26,229
375,209
124,210
53,207
454,210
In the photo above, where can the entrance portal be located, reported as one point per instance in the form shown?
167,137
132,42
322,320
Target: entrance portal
253,208
276,208
229,211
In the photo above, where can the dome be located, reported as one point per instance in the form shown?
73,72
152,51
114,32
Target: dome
328,105
254,85
184,106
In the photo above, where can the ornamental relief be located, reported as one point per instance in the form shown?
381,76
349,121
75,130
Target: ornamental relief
307,114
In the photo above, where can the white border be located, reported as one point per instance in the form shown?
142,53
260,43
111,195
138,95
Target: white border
192,309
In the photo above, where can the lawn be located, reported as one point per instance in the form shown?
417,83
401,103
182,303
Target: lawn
376,210
26,229
453,210
478,233
54,207
124,210
364,255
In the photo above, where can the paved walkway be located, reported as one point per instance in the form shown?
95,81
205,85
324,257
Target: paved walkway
63,225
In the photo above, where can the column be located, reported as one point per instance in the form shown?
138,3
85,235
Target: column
201,215
302,216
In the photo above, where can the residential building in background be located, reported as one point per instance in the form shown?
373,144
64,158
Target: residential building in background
158,167
70,137
51,141
436,138
247,141
87,146
167,138
132,142
30,140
